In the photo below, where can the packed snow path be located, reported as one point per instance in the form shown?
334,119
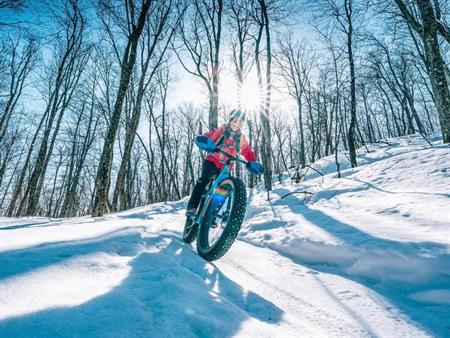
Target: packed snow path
132,282
345,263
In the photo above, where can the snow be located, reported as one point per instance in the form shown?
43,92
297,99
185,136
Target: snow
364,255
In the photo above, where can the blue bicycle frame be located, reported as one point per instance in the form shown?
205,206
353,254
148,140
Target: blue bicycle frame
208,145
224,174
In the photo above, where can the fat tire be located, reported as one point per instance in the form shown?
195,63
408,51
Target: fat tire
231,229
189,235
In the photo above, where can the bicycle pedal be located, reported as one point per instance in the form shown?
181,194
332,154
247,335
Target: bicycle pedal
190,214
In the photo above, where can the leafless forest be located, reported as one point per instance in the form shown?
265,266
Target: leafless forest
86,122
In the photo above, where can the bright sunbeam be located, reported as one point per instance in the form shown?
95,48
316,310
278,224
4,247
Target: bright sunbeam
251,96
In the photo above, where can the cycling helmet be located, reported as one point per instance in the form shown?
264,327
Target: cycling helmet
236,113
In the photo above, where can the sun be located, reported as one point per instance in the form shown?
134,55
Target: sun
251,95
248,98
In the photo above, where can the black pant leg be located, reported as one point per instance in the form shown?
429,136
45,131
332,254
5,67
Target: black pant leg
209,169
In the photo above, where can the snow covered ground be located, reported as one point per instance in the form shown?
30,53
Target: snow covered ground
364,255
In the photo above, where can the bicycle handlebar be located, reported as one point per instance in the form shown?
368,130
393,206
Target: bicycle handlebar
204,143
231,157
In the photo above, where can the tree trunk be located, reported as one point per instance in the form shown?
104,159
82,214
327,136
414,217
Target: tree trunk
428,29
103,178
439,82
353,121
265,110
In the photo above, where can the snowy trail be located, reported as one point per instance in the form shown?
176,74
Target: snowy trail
353,261
143,280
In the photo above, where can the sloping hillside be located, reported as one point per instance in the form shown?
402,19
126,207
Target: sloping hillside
364,255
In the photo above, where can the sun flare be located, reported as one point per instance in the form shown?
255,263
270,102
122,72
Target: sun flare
251,96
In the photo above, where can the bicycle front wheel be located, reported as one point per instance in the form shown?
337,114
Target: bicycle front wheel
224,216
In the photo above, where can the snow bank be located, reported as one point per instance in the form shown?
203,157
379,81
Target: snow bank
385,223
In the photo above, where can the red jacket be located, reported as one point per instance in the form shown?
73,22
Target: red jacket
228,145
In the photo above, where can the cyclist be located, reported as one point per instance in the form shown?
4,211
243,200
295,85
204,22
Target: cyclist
231,140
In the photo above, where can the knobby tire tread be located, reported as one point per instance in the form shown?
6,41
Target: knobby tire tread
232,228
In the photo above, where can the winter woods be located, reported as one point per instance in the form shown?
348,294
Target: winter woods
96,116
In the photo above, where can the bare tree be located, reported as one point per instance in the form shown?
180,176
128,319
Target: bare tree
8,6
200,34
158,34
189,118
84,130
261,17
163,79
429,25
135,27
294,64
21,63
69,68
346,22
100,91
241,26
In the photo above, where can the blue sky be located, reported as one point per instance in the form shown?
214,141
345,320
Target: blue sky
37,15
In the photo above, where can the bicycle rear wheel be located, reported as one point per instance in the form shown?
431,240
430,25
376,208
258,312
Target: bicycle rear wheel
190,230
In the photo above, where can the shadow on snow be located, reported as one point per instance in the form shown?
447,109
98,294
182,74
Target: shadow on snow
170,291
359,247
